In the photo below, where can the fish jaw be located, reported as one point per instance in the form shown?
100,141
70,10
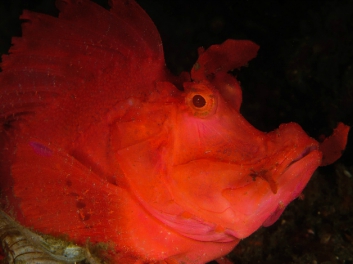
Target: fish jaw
255,205
236,198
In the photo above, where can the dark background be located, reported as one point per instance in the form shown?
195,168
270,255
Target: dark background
303,73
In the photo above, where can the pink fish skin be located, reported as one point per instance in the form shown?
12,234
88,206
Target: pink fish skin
102,144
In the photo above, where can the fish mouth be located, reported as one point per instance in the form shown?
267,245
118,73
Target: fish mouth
308,159
273,179
306,154
303,154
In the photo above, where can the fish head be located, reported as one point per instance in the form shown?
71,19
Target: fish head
209,174
227,172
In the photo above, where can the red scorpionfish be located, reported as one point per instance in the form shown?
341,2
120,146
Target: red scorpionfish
100,143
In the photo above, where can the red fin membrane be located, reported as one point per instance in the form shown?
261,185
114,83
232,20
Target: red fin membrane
70,56
333,146
230,55
126,29
59,186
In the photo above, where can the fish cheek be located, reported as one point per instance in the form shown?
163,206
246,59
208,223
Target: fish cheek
200,183
137,147
139,124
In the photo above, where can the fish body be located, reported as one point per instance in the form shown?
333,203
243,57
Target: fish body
100,143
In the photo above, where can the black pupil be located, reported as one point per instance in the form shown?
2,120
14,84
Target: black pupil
198,101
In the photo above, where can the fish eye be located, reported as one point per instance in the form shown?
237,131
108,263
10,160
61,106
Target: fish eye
198,101
201,100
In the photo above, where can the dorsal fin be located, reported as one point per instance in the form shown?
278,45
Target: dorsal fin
81,63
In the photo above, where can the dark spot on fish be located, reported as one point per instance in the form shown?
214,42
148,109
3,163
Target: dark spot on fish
266,176
80,204
12,121
69,183
84,216
210,76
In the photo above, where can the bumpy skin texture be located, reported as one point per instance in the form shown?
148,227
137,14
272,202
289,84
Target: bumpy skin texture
99,144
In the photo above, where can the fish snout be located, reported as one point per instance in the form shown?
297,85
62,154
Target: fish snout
286,146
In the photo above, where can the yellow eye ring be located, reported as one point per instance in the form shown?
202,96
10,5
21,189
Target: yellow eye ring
201,100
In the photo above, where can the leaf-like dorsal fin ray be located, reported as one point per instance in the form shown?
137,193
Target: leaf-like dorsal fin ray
332,147
229,55
141,25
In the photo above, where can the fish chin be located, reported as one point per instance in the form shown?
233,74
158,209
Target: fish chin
191,226
294,180
196,228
